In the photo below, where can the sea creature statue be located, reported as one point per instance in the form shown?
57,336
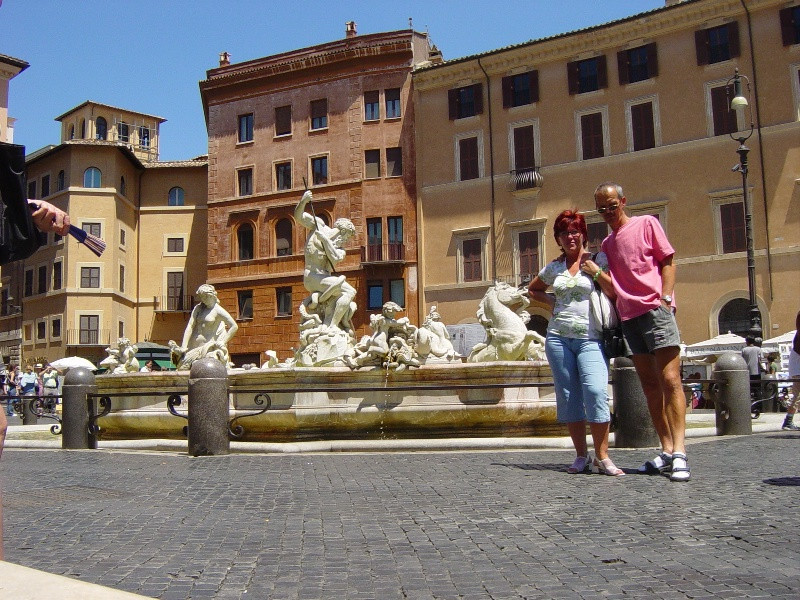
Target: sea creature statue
326,330
207,333
121,357
390,344
502,313
432,340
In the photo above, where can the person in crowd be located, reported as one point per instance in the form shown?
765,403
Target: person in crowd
148,367
754,358
640,259
28,382
580,370
50,388
4,375
794,373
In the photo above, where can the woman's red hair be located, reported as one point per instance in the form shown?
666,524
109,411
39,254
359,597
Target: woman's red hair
571,218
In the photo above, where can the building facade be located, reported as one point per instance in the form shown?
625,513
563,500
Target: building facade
64,300
336,118
508,139
10,67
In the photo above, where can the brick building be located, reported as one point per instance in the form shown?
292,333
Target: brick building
339,116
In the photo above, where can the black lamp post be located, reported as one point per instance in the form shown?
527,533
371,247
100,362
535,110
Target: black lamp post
738,104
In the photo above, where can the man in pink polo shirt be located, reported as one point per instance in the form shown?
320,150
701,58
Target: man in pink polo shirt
640,262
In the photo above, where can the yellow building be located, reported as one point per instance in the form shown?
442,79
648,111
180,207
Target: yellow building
64,300
509,138
10,67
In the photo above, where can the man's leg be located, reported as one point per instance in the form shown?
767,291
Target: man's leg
669,371
648,371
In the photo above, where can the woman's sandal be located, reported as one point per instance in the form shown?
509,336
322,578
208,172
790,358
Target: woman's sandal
606,467
580,465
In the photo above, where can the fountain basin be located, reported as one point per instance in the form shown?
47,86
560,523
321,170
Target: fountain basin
313,403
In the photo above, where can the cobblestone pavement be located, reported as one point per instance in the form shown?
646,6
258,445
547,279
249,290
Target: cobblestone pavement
467,525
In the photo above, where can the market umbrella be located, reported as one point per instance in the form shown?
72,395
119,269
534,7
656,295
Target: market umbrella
71,362
773,344
710,350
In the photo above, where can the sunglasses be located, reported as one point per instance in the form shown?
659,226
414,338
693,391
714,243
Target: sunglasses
609,208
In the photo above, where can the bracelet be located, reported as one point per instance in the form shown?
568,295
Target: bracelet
596,275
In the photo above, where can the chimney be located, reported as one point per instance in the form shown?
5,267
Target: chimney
224,59
435,55
350,29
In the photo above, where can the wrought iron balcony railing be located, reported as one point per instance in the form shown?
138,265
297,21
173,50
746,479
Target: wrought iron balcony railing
383,253
525,179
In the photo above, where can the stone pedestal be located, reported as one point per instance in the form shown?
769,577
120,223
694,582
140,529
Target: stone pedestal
208,408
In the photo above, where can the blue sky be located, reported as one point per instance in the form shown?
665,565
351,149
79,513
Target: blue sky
149,55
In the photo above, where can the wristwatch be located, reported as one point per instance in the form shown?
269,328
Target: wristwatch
667,298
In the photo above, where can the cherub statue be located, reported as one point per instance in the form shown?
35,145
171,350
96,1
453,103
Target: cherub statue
432,340
122,357
388,345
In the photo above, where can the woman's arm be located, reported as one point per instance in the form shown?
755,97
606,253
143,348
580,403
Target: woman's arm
537,292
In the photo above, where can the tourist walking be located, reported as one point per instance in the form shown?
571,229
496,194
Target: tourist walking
580,370
794,373
640,259
50,388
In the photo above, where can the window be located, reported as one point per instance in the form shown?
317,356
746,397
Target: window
58,275
120,328
175,245
374,295
122,278
83,129
637,64
45,186
101,129
319,170
60,182
283,237
123,189
91,228
597,231
397,292
55,328
245,303
32,190
392,99
717,43
319,114
790,25
144,137
71,135
244,239
465,102
91,178
5,303
394,226
468,159
283,175
528,248
41,285
587,75
471,255
245,177
735,317
246,128
374,240
283,120
283,301
175,298
723,118
521,89
372,106
523,157
591,138
643,132
41,330
28,284
122,132
372,164
394,162
176,197
731,217
122,237
90,277
89,332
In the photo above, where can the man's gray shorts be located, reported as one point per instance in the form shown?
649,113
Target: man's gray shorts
652,330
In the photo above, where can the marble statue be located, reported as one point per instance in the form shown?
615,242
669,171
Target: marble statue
121,357
502,313
326,329
207,333
432,340
391,342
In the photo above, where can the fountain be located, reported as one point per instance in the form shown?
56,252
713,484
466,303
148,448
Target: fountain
400,381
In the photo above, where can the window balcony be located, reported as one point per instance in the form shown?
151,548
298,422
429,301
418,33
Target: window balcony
525,179
392,252
173,303
88,337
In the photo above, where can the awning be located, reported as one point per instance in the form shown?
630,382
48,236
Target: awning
166,365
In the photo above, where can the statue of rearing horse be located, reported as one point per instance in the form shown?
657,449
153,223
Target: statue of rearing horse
502,312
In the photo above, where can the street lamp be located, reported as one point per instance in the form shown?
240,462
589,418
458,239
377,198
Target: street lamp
738,104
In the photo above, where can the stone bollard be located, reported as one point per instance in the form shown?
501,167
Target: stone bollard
29,416
732,402
208,408
634,427
75,409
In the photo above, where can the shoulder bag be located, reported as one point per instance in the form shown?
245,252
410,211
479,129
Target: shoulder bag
19,237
